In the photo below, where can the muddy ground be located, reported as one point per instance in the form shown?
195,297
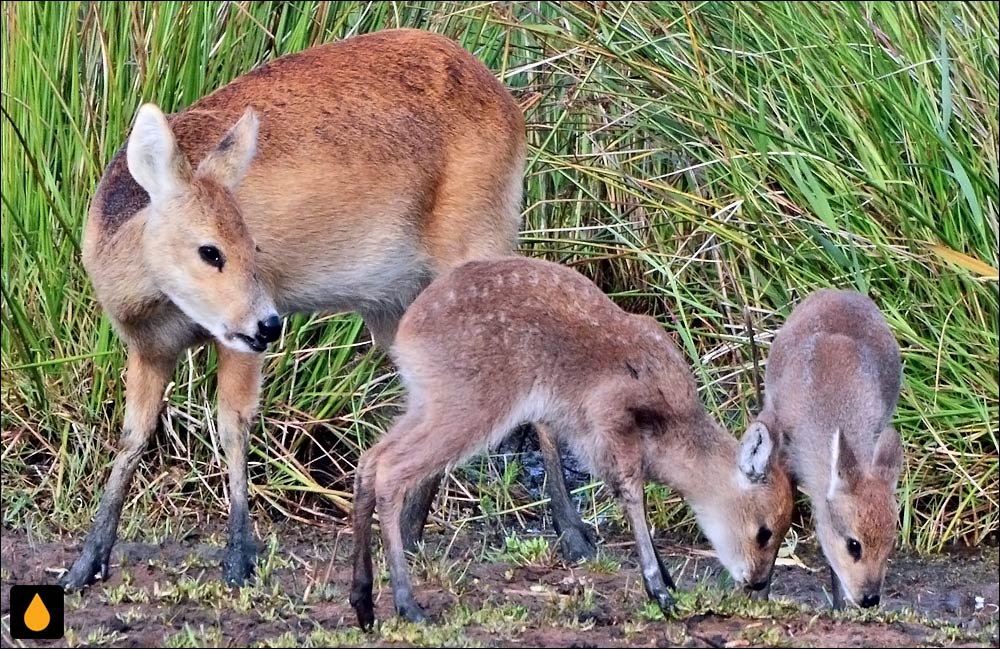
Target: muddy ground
481,592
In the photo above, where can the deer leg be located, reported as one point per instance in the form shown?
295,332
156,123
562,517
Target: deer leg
376,465
239,392
416,509
145,380
575,539
655,575
361,517
390,506
408,456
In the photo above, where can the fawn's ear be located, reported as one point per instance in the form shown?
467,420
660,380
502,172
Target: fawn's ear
154,159
844,471
887,462
756,452
228,162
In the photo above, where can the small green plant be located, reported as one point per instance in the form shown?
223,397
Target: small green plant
650,611
73,601
438,569
763,634
336,637
501,619
191,637
95,637
130,616
427,635
604,563
270,560
576,607
125,592
530,551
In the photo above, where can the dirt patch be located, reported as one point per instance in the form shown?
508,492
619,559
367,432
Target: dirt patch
478,594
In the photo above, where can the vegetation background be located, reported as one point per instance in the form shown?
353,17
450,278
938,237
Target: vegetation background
706,163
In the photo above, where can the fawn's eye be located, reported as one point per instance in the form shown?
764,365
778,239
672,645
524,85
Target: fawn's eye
854,548
211,256
763,536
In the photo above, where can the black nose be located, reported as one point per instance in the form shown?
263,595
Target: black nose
869,601
269,328
760,585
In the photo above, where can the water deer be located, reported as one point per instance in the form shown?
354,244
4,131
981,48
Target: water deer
493,344
340,178
831,385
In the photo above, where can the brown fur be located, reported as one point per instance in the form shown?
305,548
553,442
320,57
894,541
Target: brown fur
833,378
343,177
494,344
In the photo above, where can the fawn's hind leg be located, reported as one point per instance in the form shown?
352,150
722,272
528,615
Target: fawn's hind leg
383,325
361,517
575,539
377,465
404,459
416,510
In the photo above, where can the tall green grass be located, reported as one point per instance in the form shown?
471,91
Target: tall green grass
706,163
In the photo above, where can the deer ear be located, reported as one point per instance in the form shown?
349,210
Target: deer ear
154,159
228,162
843,466
888,459
756,451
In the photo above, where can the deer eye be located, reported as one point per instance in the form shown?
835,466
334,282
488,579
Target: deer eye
763,536
854,548
211,256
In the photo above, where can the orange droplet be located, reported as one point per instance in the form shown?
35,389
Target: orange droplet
37,616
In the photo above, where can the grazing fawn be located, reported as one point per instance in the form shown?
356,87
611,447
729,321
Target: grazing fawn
341,178
831,385
493,344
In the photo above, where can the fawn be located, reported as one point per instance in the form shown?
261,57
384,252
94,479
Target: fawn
492,344
832,381
340,178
